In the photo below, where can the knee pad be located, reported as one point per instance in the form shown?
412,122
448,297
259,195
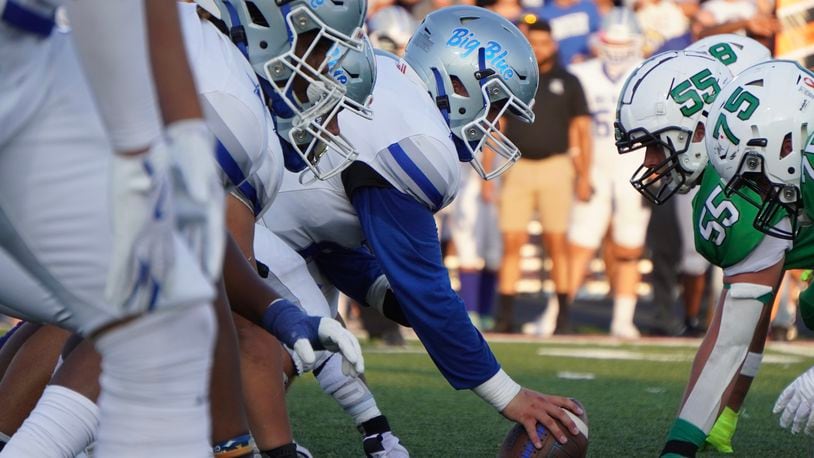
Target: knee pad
382,298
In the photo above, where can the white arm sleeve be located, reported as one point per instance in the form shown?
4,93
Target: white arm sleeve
770,251
111,40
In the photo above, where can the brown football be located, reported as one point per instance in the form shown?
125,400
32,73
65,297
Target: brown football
518,445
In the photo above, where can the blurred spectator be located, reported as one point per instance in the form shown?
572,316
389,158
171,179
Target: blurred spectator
543,179
753,17
615,204
795,40
572,23
391,28
510,9
665,25
476,233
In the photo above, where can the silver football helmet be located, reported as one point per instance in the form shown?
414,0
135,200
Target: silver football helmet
757,130
391,28
737,52
287,43
477,67
664,104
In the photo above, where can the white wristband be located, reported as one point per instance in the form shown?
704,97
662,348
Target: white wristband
498,390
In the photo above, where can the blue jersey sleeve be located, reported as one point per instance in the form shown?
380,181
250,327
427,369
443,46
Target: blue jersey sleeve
402,234
351,271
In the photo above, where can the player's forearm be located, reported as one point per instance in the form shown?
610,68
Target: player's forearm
727,27
240,222
175,86
111,42
248,294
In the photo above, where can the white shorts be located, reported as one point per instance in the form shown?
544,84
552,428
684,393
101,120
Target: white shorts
54,194
616,203
291,277
474,225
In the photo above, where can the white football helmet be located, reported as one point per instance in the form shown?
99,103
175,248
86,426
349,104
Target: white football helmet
737,52
619,43
664,103
757,130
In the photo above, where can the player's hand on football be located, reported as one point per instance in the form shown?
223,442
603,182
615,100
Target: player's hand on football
583,189
796,404
143,225
198,192
304,334
530,407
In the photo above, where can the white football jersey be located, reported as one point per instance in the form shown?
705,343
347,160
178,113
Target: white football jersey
602,94
249,152
407,142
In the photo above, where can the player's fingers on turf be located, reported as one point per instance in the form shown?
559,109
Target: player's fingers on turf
788,412
783,399
305,351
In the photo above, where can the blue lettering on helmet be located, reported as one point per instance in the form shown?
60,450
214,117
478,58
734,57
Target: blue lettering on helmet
494,53
317,3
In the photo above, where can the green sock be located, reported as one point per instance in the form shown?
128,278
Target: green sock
720,437
683,440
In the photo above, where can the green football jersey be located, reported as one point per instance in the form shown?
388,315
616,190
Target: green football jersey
724,227
802,255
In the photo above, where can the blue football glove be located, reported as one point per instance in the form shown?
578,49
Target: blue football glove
304,334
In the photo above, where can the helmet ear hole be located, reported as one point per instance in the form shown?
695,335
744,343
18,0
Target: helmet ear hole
458,86
698,134
786,147
256,15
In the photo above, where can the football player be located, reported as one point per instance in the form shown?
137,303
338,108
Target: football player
301,62
614,203
56,209
761,148
237,114
462,71
674,159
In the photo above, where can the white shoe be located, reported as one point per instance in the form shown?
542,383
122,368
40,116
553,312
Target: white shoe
548,322
627,331
385,445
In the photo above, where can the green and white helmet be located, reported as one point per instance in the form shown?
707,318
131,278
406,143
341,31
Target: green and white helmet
737,52
477,66
757,130
664,103
287,43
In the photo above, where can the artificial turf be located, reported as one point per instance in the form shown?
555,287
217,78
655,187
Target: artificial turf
630,403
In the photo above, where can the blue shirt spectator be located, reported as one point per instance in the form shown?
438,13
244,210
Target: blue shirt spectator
572,23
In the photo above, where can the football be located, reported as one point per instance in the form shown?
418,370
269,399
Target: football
517,443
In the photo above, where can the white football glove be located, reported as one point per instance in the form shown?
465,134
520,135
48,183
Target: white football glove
143,226
335,338
198,191
303,333
796,402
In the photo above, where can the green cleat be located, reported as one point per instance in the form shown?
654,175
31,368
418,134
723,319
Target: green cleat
720,437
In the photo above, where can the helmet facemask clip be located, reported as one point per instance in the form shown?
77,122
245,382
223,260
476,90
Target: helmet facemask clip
773,201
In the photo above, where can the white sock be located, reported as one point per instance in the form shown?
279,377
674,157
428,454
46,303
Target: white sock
350,392
62,424
155,385
624,308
